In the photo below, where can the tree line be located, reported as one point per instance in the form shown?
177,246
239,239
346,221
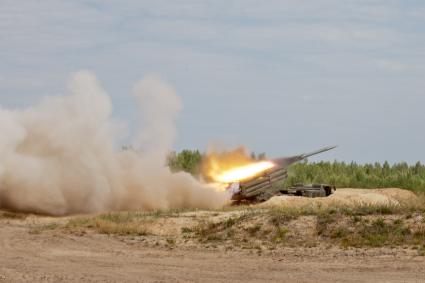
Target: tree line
353,175
338,173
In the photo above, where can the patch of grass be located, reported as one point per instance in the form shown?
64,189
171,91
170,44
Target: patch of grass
229,222
323,221
80,222
171,241
41,228
376,233
419,235
223,230
119,228
368,209
253,230
214,237
278,217
123,223
118,217
421,250
208,231
164,213
186,230
205,229
340,232
13,215
280,235
356,219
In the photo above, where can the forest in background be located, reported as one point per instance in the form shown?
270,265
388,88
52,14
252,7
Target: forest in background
340,174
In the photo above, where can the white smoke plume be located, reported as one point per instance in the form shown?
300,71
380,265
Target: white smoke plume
59,157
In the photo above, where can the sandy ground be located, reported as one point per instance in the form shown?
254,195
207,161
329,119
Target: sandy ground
97,258
349,197
54,256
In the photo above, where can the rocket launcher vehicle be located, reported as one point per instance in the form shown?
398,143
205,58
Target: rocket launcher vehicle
269,183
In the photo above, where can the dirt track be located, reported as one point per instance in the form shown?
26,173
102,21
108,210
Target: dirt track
58,257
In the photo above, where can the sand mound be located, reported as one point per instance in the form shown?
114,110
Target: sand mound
349,197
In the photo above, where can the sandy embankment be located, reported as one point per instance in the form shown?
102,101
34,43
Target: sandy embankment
349,197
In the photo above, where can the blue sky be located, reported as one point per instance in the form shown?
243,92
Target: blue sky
280,77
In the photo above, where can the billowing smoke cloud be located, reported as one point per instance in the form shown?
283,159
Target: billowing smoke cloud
59,157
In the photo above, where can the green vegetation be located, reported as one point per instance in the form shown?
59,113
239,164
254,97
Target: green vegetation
45,227
12,215
120,223
340,174
247,227
371,232
353,175
186,160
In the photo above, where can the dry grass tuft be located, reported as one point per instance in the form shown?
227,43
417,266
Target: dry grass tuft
13,215
45,227
122,229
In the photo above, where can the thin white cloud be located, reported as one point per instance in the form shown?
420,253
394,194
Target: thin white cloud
392,65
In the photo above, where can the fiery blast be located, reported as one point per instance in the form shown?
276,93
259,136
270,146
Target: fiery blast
58,157
232,166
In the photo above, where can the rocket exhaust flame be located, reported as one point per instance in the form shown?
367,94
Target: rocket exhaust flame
232,166
243,172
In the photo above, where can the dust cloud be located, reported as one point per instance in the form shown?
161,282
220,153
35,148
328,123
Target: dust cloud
60,156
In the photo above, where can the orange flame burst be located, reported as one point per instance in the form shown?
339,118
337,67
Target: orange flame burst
243,172
232,166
